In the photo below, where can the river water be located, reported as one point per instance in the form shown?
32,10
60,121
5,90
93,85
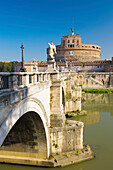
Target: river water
98,133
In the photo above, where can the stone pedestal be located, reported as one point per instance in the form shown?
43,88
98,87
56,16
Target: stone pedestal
51,66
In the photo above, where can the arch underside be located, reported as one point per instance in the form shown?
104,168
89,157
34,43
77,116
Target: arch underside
27,137
63,98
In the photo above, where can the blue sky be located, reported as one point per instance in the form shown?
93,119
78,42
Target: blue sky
37,22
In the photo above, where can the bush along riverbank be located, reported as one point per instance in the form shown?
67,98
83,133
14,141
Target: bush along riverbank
76,113
97,90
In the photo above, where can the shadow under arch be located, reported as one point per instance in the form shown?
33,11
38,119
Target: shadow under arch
63,99
27,137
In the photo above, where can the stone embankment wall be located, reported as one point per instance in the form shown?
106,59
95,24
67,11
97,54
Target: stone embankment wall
95,80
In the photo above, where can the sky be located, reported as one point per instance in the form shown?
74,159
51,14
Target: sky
37,22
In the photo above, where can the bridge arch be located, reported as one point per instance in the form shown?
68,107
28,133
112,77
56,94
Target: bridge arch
30,110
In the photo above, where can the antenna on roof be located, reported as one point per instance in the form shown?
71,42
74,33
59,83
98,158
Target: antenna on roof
72,29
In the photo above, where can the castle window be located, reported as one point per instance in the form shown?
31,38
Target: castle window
93,46
77,42
71,45
73,41
68,41
63,42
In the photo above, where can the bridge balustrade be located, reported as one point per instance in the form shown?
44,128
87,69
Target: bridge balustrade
15,80
3,82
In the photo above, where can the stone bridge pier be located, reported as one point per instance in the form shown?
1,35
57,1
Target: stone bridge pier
33,126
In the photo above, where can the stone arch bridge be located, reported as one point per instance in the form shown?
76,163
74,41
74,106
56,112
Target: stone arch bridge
32,116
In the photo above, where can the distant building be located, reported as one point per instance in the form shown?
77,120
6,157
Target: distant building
31,66
89,66
72,47
5,61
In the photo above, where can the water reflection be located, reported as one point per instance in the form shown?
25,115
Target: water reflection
92,117
99,99
94,104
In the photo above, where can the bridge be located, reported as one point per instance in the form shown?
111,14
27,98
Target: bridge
33,126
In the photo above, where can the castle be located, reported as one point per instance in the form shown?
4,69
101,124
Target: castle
71,48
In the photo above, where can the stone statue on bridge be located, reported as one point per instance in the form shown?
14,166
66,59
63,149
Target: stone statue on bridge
52,51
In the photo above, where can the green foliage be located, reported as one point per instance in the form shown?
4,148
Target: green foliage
57,153
6,67
82,150
67,96
66,155
74,111
77,153
51,97
55,145
98,90
73,98
80,115
51,157
83,100
93,154
73,87
85,147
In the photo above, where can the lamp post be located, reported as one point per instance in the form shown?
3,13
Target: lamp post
22,69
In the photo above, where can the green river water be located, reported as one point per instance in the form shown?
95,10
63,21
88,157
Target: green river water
98,133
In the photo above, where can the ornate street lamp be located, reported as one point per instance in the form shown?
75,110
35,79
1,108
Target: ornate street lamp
22,69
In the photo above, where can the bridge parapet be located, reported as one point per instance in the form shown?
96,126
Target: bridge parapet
13,80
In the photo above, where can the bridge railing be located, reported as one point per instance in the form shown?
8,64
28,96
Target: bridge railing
14,80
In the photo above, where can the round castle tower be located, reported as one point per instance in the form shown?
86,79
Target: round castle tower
72,49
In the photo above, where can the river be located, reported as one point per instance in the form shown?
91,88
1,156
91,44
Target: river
98,133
